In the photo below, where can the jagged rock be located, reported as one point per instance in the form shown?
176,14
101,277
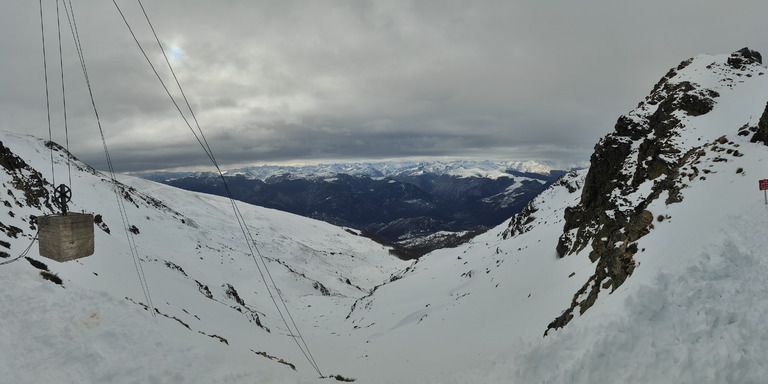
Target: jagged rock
26,179
761,135
564,244
569,182
682,96
320,287
604,171
630,128
741,58
520,223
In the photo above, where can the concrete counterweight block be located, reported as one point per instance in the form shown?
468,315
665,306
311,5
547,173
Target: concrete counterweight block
64,238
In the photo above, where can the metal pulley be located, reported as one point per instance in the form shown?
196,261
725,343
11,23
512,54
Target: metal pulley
61,196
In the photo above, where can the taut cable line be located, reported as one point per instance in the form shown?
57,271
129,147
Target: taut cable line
63,95
256,255
47,93
116,185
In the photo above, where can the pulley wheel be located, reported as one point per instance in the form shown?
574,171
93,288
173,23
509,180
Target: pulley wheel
62,195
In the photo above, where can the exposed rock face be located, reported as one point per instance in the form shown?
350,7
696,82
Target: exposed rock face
761,135
743,57
25,179
641,161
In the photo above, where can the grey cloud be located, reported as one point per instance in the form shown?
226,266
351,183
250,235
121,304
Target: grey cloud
295,80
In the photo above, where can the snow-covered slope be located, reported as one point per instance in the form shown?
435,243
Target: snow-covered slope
691,310
693,278
214,314
647,267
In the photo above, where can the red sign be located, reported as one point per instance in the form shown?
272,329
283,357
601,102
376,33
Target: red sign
763,184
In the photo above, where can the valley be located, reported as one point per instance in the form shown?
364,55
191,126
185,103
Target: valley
417,207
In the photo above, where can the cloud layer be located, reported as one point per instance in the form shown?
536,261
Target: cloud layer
277,81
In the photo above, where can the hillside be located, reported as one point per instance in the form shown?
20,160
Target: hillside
646,267
212,306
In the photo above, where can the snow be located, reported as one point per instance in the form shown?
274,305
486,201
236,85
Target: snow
94,330
691,312
77,335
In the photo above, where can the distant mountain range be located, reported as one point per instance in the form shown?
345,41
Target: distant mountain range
485,168
419,205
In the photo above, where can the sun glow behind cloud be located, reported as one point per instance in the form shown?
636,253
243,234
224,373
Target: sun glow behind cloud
175,53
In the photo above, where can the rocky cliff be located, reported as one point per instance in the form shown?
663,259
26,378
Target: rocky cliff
654,152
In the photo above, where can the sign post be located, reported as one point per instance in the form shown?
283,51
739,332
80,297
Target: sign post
764,188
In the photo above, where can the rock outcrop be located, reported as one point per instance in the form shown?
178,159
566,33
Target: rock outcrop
651,154
761,134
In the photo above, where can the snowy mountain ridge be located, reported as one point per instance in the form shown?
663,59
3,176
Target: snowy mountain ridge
382,169
655,153
648,267
402,202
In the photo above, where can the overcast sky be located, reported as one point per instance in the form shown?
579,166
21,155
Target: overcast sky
305,81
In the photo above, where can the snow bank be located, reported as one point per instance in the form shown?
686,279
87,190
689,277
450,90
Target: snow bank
701,325
75,335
